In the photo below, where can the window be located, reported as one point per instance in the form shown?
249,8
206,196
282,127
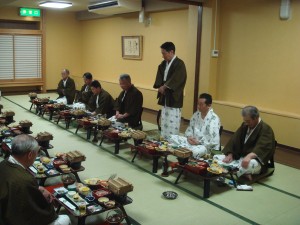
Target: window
20,57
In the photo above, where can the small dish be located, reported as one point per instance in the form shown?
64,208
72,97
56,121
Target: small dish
170,194
102,200
71,193
109,204
89,198
214,171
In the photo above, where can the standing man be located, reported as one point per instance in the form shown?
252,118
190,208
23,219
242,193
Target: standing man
86,93
170,82
66,87
101,102
22,201
129,105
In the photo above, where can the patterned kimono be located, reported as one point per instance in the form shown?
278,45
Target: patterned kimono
206,131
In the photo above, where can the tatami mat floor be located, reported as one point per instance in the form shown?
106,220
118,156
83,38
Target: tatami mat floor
275,200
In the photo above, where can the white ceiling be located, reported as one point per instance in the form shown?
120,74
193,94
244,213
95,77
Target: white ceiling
78,5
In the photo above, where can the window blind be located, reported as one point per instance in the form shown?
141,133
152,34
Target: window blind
20,56
6,57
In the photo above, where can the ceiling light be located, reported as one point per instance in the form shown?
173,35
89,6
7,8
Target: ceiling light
56,5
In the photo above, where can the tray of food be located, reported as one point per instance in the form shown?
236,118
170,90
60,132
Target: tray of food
183,153
119,186
44,136
138,134
75,156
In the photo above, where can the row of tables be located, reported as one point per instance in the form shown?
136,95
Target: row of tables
139,147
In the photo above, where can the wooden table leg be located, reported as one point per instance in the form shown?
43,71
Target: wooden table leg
178,177
206,189
135,154
77,177
81,220
155,164
117,147
51,114
126,216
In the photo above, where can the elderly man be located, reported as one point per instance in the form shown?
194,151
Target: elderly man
251,146
101,102
170,81
202,134
86,93
22,201
66,87
129,104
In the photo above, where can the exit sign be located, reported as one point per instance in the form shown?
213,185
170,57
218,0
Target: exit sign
30,12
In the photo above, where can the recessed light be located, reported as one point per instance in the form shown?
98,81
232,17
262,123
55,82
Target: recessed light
56,5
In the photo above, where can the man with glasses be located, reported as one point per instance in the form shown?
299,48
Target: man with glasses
22,201
251,146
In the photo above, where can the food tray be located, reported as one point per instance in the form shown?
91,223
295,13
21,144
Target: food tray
119,186
8,113
138,135
183,153
104,122
75,156
44,136
25,123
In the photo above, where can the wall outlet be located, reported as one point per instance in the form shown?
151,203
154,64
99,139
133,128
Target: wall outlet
214,53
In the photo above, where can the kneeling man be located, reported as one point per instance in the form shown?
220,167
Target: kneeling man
252,145
202,134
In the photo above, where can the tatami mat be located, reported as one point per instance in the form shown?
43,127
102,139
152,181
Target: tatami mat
275,200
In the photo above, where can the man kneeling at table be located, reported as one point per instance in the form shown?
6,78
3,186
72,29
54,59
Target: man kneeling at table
129,104
22,201
251,146
202,134
101,102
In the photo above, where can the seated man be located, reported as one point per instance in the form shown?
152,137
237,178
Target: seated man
101,102
202,134
251,146
66,87
129,104
86,93
22,201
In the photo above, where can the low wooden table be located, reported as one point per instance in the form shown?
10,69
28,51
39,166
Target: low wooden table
206,176
155,157
43,177
114,138
81,218
51,109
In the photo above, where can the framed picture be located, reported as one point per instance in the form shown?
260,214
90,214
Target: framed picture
132,47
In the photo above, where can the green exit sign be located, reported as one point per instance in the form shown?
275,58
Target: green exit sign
30,12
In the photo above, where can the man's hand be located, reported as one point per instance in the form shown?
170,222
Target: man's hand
46,194
162,89
192,141
247,159
228,158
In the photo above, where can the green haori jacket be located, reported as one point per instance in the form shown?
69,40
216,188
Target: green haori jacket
176,80
21,201
261,142
68,91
